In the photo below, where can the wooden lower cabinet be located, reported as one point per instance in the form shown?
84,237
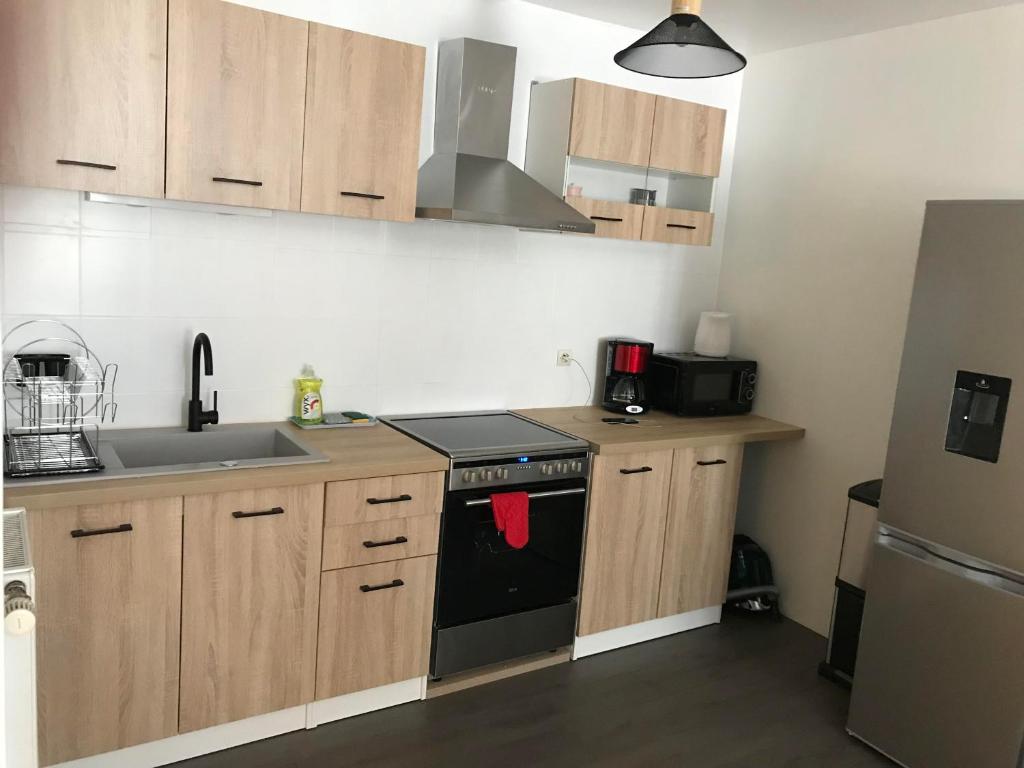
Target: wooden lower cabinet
625,540
108,578
698,537
374,625
250,589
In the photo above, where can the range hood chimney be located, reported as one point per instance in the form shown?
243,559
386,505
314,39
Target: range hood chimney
469,177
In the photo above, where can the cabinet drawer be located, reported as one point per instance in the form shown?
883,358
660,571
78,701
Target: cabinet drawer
383,498
672,225
377,542
617,220
374,625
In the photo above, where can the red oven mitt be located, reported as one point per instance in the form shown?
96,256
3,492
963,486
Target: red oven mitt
512,517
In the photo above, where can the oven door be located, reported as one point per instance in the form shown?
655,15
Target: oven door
481,577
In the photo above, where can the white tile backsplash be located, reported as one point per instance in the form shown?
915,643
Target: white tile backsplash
47,207
395,317
40,273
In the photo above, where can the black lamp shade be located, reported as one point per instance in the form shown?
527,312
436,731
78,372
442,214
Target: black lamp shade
681,46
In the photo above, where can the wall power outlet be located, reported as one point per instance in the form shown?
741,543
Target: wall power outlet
564,357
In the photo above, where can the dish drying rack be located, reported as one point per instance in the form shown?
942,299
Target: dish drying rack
55,402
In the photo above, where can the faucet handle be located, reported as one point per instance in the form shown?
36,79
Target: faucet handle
212,417
215,401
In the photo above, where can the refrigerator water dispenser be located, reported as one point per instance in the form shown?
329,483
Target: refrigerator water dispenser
977,414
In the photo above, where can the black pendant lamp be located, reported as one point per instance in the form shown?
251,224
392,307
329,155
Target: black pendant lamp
682,46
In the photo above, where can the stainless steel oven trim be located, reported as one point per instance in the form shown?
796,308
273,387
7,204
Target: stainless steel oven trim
538,495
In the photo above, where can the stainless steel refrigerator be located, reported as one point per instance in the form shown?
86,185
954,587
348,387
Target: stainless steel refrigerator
939,681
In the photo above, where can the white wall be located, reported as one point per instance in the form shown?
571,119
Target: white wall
395,317
840,146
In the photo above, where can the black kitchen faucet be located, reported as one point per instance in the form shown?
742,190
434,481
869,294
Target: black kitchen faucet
197,417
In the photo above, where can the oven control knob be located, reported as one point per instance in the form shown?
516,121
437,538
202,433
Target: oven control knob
502,473
750,394
546,469
469,476
562,467
486,475
577,466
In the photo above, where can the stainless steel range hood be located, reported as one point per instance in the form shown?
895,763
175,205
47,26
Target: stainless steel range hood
469,177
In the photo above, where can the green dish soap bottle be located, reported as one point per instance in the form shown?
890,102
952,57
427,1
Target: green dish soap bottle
309,405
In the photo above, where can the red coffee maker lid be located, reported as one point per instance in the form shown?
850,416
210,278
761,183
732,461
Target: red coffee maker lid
631,356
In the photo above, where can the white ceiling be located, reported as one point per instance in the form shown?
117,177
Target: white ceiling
759,26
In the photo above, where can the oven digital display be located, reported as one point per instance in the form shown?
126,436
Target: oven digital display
523,459
710,387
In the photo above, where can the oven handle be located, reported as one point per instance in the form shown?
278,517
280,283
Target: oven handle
539,495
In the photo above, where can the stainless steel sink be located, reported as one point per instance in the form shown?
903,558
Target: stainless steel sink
148,452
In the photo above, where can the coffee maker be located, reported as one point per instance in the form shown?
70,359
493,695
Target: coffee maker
625,379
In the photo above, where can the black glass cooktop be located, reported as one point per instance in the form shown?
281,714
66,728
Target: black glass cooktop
470,435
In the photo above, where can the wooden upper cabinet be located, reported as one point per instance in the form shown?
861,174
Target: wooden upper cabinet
236,86
611,123
678,227
698,538
364,99
250,591
109,613
625,540
82,89
616,220
688,137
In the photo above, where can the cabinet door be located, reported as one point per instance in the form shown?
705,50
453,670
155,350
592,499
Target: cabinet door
250,583
688,137
611,123
108,579
616,220
364,98
236,85
82,84
698,538
625,540
679,227
374,625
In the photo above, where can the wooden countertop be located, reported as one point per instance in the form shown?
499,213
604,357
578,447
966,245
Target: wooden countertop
660,431
354,453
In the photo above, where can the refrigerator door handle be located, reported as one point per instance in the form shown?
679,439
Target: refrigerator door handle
984,576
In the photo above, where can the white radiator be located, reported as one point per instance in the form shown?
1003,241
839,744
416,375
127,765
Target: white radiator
19,645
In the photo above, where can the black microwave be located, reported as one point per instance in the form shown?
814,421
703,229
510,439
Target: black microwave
691,385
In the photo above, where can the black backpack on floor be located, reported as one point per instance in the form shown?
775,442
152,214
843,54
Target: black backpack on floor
751,584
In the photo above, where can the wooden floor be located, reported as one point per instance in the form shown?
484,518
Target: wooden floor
743,694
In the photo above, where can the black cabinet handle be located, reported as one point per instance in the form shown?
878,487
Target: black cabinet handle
84,164
392,585
365,195
680,226
247,182
78,533
639,471
262,513
604,218
714,463
397,540
392,500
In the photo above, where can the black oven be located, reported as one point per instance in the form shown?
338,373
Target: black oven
686,384
494,602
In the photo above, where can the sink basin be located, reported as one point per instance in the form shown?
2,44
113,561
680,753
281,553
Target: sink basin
167,451
236,446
